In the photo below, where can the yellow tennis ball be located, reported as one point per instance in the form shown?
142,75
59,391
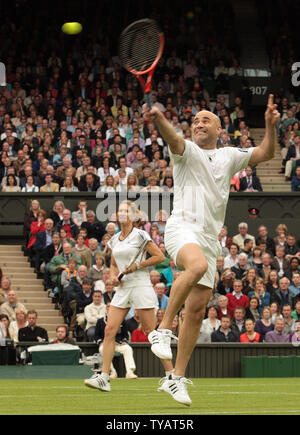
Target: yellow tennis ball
72,28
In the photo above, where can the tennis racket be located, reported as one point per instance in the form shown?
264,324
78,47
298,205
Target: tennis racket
141,46
136,256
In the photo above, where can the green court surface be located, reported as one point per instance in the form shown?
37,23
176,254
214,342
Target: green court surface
139,397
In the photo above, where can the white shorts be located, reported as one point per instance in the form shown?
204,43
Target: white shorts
139,298
179,233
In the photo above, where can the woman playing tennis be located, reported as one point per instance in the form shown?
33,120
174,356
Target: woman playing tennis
135,289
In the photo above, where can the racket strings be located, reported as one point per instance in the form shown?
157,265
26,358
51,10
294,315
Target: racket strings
139,46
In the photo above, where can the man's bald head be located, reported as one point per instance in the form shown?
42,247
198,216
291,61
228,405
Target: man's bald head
206,129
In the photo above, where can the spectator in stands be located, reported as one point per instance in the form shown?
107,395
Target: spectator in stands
12,184
296,312
249,280
267,266
295,337
93,312
121,346
139,336
295,183
88,257
94,228
9,308
43,240
4,290
83,296
294,285
265,324
68,224
32,332
58,264
288,320
57,212
239,239
80,246
273,282
241,267
209,325
232,258
250,336
109,291
224,334
20,322
162,299
281,231
168,273
36,227
237,298
291,247
49,185
280,263
283,295
250,183
133,322
95,271
238,320
223,307
263,236
252,311
277,335
275,311
225,285
62,335
262,295
5,331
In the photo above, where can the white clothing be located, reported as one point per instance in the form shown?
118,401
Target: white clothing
124,250
201,191
135,289
202,184
94,312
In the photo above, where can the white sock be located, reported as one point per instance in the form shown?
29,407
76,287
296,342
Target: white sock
169,373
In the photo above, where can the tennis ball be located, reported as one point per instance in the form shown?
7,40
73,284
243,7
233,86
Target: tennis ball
72,28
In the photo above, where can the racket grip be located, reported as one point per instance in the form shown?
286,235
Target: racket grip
120,277
148,99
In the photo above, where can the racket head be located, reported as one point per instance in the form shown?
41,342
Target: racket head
141,46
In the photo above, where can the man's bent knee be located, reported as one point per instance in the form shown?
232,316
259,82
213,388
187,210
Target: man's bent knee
197,270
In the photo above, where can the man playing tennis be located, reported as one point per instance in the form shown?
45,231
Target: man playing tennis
202,175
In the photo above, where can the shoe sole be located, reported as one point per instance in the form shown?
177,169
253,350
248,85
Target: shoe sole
95,388
160,389
168,357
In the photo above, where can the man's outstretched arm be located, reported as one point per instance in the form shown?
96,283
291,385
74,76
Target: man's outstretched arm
175,141
266,150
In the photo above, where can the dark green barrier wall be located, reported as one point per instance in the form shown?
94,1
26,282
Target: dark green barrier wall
274,209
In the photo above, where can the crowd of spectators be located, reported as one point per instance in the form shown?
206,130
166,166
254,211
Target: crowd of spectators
257,280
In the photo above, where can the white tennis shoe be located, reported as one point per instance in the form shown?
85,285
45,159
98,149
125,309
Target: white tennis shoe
161,343
99,382
177,388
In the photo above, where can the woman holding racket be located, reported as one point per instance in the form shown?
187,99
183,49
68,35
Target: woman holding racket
134,288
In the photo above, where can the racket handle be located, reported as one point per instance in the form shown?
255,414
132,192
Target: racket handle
120,277
148,99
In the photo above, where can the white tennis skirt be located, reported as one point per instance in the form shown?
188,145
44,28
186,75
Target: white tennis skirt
140,297
179,233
